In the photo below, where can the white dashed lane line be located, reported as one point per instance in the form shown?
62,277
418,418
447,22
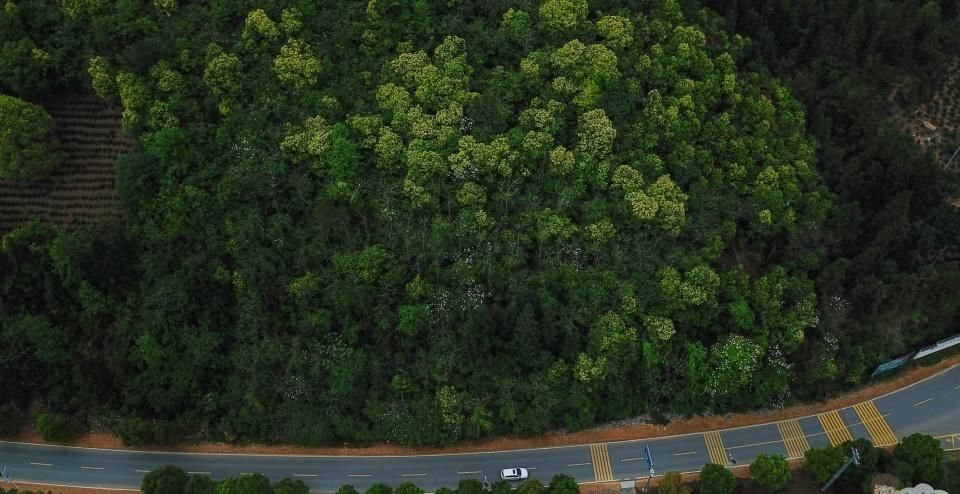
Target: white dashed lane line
198,473
922,402
304,475
92,468
41,464
468,473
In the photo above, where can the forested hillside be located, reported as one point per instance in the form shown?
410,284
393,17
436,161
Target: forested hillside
431,221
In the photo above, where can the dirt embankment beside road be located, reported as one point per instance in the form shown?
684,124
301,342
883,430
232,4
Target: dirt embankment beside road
595,435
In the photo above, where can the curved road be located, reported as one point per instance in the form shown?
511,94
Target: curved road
931,406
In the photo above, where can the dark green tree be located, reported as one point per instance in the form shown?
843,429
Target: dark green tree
201,484
28,147
164,480
772,472
54,427
563,484
917,458
292,486
822,463
715,479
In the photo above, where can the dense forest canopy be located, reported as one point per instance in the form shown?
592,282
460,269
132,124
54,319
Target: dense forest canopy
433,221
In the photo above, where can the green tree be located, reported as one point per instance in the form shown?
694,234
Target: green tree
27,142
246,484
562,16
672,483
530,486
296,64
822,463
294,486
54,427
772,472
201,484
470,486
715,479
563,484
408,488
164,480
379,488
347,489
917,458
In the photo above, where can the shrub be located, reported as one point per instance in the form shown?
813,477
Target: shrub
54,427
772,472
27,143
715,479
672,483
563,484
917,458
165,480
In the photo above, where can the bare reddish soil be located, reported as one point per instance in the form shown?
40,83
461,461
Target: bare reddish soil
82,191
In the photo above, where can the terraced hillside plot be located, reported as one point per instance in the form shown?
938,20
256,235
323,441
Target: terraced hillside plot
82,191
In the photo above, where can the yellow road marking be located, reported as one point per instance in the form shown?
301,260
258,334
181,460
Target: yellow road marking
715,448
833,425
793,438
880,432
602,470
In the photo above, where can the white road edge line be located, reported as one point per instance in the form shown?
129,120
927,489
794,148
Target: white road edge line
92,468
922,402
41,464
578,464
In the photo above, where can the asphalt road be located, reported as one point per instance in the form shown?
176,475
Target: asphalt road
931,406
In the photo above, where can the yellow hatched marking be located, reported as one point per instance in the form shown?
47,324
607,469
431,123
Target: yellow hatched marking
880,432
835,428
793,438
715,448
602,470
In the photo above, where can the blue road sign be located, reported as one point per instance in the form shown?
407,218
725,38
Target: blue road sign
649,458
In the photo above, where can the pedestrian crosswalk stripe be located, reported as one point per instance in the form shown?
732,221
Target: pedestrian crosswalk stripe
602,469
880,432
715,448
835,428
793,438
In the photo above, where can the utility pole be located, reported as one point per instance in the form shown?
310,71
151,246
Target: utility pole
853,458
947,166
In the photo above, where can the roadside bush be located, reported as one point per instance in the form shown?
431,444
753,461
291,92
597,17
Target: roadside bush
772,472
379,488
672,483
715,479
822,463
201,484
139,432
563,484
54,427
408,488
917,459
531,486
293,486
349,489
164,480
469,486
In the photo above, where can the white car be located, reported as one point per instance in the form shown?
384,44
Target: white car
514,474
